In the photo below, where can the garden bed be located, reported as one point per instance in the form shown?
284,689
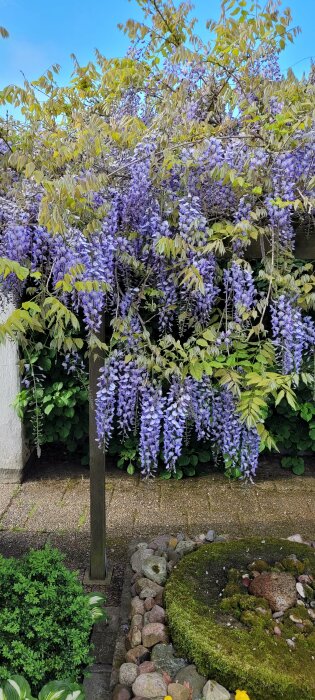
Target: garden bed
182,641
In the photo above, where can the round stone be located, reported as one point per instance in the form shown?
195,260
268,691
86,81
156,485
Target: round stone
154,633
165,660
128,673
149,685
279,589
177,691
154,568
214,691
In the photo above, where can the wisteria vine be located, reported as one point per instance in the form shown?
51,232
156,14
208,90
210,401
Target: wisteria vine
178,171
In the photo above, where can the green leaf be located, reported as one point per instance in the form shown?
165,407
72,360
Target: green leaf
131,469
204,457
183,460
17,688
196,371
189,471
299,469
166,474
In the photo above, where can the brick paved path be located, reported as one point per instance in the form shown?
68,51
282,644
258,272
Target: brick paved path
56,500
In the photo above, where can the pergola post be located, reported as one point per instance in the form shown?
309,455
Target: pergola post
98,564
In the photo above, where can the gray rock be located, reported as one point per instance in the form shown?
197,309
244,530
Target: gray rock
148,589
154,633
160,542
154,568
190,675
295,538
128,674
139,557
214,691
178,691
121,693
165,660
137,606
149,685
137,655
136,621
157,614
173,556
210,536
221,538
185,546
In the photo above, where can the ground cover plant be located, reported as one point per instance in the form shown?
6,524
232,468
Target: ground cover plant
227,629
45,619
17,688
131,198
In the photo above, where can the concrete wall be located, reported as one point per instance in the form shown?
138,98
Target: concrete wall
13,451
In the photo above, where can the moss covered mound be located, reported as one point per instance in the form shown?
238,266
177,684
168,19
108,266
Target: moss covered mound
237,655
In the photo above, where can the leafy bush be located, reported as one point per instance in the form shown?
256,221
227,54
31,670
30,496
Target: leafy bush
17,688
54,399
45,619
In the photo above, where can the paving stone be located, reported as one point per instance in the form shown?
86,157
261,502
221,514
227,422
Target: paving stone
96,686
7,493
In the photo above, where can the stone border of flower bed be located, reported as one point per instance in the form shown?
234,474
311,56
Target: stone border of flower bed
145,665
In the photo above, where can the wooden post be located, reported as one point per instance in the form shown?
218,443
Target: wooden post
98,567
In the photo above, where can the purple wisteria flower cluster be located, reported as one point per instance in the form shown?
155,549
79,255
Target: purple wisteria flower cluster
160,206
293,334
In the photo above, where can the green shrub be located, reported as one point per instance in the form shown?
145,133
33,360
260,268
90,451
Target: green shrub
45,619
53,401
17,688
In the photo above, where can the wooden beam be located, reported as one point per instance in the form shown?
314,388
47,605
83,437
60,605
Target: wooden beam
98,567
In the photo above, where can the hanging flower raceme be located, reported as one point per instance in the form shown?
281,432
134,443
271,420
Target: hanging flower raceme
201,394
284,178
226,428
203,302
192,222
249,452
130,382
15,244
106,397
152,412
176,414
239,290
292,334
242,214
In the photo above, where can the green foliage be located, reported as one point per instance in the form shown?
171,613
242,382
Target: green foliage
54,404
45,619
294,463
293,429
17,688
195,458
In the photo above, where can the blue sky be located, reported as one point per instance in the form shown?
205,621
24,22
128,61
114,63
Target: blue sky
42,33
